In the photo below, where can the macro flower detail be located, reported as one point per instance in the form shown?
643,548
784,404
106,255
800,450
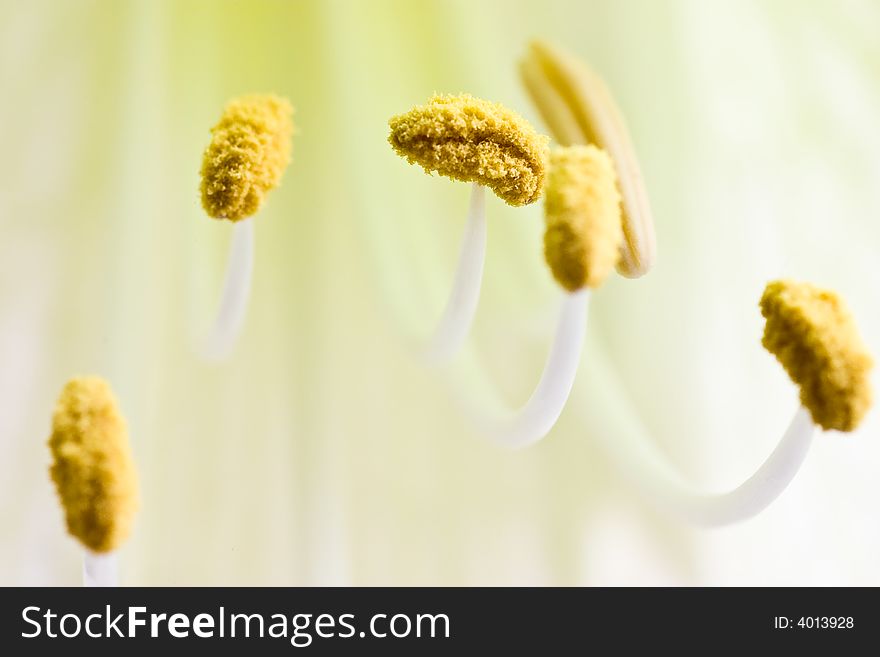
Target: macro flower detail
318,445
813,334
250,149
474,140
92,465
582,211
578,109
469,139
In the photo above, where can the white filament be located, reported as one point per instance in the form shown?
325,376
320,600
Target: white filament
753,495
528,424
99,569
625,439
235,295
505,426
461,305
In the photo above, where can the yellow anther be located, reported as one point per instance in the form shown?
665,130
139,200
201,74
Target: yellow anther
578,109
92,465
582,211
812,333
249,151
474,140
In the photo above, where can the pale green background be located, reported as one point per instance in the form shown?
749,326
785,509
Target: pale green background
323,452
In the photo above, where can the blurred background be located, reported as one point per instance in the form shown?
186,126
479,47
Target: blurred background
323,452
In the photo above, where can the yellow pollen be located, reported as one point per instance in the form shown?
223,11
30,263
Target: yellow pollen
250,149
92,465
582,211
578,109
812,333
474,140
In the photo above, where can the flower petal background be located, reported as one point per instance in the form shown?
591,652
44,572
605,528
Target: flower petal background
323,452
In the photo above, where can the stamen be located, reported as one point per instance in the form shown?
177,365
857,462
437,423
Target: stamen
582,211
632,450
471,140
813,336
455,324
100,570
250,149
579,109
581,245
474,140
236,293
93,470
516,428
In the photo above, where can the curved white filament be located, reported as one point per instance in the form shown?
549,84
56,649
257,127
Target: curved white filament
235,295
528,424
99,569
758,491
753,495
626,441
461,305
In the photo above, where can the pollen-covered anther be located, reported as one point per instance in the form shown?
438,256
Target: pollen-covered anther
812,333
579,109
250,149
582,212
92,464
474,140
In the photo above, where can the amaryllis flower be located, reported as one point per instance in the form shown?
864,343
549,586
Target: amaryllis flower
323,450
